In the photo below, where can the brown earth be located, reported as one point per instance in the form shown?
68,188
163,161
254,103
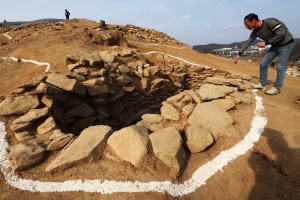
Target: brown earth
271,170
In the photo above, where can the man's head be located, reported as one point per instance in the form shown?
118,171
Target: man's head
251,21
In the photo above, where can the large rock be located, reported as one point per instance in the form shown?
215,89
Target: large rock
82,110
224,104
215,80
212,118
186,110
89,146
95,59
126,52
107,56
197,138
130,144
123,69
222,88
244,98
55,92
167,147
59,140
32,115
95,89
144,124
19,105
180,100
239,75
81,124
152,118
195,95
23,136
208,92
24,155
170,113
65,83
124,80
72,100
20,127
47,126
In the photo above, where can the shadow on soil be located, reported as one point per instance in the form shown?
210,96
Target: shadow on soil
279,178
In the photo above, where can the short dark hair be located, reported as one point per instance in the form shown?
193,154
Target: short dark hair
251,16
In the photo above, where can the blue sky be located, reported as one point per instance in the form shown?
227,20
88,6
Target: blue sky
194,22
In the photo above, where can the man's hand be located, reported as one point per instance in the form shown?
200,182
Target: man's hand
236,60
261,44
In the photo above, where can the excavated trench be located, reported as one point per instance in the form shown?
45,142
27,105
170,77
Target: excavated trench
152,80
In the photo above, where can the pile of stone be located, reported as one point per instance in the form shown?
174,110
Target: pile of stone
57,26
146,35
116,99
293,71
110,34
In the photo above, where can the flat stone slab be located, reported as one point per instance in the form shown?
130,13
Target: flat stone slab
169,112
65,83
212,118
208,92
130,144
89,146
19,104
224,104
244,98
167,146
32,115
197,138
24,155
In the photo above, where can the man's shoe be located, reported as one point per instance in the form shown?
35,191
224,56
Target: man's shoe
272,91
260,86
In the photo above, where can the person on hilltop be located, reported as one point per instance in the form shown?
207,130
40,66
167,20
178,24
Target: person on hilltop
67,13
275,33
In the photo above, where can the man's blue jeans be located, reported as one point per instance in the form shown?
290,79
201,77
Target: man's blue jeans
283,53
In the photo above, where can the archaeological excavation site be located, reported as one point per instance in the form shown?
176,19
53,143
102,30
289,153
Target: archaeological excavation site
90,101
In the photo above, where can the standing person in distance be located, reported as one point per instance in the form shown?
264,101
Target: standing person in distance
67,13
275,33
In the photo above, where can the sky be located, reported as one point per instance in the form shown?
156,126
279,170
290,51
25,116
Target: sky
194,22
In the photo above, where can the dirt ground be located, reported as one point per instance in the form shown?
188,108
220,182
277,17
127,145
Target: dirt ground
270,170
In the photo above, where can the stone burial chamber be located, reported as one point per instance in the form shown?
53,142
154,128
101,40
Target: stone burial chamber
120,99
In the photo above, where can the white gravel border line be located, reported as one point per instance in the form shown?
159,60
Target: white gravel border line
199,177
7,35
152,52
32,61
160,45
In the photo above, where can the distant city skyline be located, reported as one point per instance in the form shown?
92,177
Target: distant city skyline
194,22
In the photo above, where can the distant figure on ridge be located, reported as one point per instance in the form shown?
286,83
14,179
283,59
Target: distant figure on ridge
4,20
275,33
67,14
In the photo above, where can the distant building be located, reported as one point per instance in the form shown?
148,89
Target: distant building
251,50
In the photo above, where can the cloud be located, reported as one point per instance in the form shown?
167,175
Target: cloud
186,17
228,27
